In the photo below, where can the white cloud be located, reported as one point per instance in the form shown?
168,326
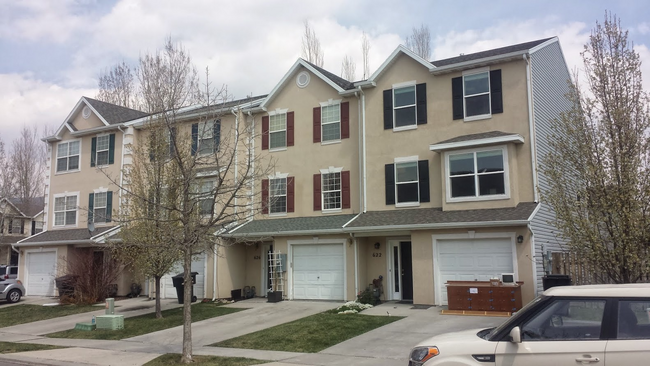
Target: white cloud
25,101
38,20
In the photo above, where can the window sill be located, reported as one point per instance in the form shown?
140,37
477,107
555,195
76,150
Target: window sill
331,211
407,204
332,142
67,172
405,128
479,198
277,214
477,118
278,149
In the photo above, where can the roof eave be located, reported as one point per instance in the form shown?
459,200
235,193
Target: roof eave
515,138
285,233
481,61
94,130
54,242
445,225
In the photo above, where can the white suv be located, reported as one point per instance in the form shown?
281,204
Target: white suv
570,325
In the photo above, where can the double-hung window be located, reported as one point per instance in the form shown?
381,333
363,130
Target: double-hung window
331,122
331,191
65,210
407,182
278,130
99,207
16,226
476,94
209,137
407,185
404,106
277,195
67,156
206,201
103,144
477,174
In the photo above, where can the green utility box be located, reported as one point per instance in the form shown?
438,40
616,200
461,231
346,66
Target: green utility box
112,322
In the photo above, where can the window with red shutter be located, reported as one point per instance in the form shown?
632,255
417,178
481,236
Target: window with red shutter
317,193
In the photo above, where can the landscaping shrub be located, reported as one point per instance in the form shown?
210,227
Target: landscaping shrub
367,297
94,276
351,307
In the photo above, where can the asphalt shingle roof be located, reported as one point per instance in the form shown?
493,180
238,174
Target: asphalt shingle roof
31,207
114,114
344,84
423,216
489,53
477,136
219,108
307,224
66,234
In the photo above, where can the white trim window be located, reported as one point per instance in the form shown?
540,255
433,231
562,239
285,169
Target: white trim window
16,224
67,156
278,130
102,152
331,190
404,105
277,195
205,197
65,210
206,137
330,121
407,182
476,94
99,207
478,174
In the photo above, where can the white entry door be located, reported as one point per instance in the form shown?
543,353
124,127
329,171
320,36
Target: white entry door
41,268
472,259
318,272
167,286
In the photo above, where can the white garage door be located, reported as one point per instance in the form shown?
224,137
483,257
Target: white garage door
198,265
469,260
318,272
41,268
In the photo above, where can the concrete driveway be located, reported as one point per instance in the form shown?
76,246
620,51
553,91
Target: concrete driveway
385,346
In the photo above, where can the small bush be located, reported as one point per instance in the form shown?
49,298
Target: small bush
351,307
367,297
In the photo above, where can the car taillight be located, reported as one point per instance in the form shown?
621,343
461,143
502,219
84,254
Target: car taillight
19,282
6,277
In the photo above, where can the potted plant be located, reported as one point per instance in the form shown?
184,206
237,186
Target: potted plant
274,296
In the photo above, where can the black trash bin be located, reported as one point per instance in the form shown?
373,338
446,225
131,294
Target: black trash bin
65,284
178,284
553,280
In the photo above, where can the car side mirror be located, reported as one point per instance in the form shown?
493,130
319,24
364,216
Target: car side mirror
515,335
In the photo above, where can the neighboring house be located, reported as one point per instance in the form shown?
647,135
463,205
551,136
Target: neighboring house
423,173
18,220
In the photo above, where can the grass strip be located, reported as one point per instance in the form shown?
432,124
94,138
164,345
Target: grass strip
9,347
175,359
21,314
310,334
148,323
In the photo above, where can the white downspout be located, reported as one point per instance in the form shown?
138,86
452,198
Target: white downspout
531,130
214,272
119,205
236,153
363,152
356,265
251,160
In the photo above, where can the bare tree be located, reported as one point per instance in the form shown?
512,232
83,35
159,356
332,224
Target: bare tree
348,69
28,156
598,166
311,49
7,186
365,54
420,42
117,86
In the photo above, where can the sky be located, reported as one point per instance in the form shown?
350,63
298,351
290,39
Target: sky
52,52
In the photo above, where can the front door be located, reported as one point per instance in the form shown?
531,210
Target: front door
401,270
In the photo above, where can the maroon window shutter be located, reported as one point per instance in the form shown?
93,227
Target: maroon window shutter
345,120
345,188
265,195
265,133
290,129
316,124
317,200
290,194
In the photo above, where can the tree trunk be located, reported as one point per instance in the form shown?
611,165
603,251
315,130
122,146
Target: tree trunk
187,307
158,308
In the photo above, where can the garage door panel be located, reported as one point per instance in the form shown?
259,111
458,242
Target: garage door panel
318,271
40,273
198,265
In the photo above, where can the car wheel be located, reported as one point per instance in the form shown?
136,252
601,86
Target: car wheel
13,296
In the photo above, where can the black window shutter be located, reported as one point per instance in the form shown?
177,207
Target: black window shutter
111,148
172,141
22,226
10,226
33,227
421,92
93,151
216,134
195,138
457,97
423,172
109,206
388,109
390,184
91,204
496,91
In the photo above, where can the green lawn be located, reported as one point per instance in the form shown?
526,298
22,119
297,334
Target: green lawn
8,347
21,314
175,359
311,334
148,323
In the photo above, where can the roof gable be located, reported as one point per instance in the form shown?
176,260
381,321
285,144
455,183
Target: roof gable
339,84
400,50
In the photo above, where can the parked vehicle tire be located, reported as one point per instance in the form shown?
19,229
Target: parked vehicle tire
13,296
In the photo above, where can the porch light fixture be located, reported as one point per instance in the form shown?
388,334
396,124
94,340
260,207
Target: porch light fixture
520,239
377,245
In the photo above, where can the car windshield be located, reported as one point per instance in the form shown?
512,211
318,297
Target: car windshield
513,318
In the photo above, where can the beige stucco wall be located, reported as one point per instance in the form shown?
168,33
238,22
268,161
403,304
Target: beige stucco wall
81,123
306,158
231,270
383,146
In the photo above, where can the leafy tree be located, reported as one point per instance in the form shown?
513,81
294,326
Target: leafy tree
599,167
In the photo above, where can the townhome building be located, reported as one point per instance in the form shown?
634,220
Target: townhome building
423,173
19,218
